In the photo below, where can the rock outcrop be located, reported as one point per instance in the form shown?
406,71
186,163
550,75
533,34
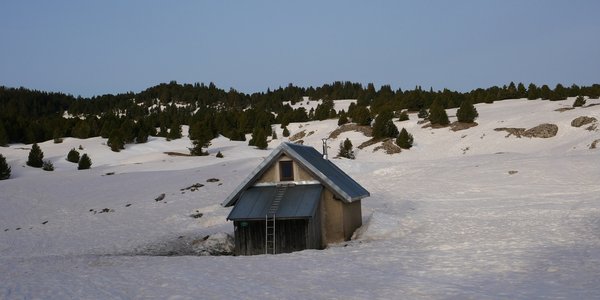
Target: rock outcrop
541,131
583,120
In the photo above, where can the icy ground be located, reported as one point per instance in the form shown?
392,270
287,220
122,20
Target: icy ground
471,214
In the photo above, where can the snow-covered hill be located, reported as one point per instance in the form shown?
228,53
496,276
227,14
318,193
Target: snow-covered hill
463,214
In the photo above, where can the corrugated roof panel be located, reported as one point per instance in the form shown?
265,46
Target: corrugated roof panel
300,201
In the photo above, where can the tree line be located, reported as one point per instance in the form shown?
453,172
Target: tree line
30,116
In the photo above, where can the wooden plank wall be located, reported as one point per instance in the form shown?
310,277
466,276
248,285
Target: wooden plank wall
290,235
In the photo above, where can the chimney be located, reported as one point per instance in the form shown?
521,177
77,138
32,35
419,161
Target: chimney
325,148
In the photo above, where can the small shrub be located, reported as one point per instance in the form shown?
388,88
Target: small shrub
80,147
579,101
219,154
84,162
47,166
73,156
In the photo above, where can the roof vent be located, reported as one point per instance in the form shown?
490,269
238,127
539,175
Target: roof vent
325,148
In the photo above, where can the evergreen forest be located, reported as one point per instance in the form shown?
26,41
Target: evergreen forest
31,116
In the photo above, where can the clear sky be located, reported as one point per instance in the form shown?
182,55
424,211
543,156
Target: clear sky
97,47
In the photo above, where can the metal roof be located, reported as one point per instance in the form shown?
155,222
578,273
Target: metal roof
300,201
329,173
323,170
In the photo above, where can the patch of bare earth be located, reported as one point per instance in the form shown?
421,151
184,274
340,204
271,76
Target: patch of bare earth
370,142
541,131
298,135
456,126
389,147
594,144
366,130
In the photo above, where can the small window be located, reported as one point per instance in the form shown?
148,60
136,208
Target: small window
286,171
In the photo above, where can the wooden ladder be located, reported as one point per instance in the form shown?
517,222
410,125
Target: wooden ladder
270,219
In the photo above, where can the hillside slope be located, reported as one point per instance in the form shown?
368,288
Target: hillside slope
465,214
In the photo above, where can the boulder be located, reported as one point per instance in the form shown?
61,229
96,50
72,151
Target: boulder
583,120
542,131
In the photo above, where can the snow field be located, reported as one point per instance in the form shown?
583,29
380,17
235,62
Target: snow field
441,222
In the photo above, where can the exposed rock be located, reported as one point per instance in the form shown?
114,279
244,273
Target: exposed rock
194,187
216,244
197,214
594,143
368,143
456,126
518,132
389,146
212,180
512,172
366,130
540,131
160,197
583,120
298,135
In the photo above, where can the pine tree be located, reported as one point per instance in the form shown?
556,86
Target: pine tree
84,163
202,137
405,140
36,157
346,149
3,136
73,156
384,126
403,116
437,114
174,131
423,114
196,149
286,132
467,112
274,135
4,168
115,141
343,119
259,139
579,101
533,92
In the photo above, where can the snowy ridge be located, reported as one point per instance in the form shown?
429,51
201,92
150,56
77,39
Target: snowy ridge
465,214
